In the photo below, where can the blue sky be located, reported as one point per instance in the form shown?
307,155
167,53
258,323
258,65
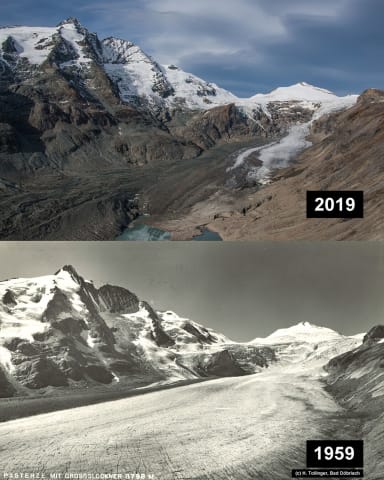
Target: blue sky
246,46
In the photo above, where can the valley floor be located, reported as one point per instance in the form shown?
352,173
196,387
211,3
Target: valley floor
97,205
252,427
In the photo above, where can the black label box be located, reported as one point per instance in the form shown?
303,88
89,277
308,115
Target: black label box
335,454
335,204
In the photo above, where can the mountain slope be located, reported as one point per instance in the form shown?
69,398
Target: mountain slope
89,125
356,379
61,331
95,90
346,155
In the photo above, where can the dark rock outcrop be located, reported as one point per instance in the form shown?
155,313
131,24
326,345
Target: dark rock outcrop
161,338
98,373
118,299
9,298
222,364
375,334
202,336
57,306
6,387
40,373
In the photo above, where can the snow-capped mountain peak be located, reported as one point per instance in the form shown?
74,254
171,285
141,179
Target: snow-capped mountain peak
302,332
298,92
138,78
70,21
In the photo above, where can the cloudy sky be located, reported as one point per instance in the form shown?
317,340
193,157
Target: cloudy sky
243,289
246,46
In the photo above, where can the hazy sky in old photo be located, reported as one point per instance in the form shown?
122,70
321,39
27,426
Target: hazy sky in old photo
246,46
244,290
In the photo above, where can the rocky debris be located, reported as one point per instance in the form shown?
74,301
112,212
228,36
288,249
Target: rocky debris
70,326
225,123
371,95
252,358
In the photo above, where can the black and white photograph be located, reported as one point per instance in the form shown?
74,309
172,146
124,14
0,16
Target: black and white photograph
193,360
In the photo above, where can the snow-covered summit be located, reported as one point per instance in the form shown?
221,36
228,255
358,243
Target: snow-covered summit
299,92
138,77
70,21
302,332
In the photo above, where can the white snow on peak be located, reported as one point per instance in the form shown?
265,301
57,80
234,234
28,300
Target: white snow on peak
138,75
302,332
196,92
32,43
36,43
70,32
32,295
116,50
183,330
298,92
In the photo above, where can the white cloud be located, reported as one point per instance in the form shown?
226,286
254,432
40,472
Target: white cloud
190,33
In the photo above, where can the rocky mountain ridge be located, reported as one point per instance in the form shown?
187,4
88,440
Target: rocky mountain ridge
81,96
60,331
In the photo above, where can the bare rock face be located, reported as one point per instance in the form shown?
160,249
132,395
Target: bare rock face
223,125
6,388
57,306
161,338
356,380
40,373
223,364
118,300
203,335
98,373
374,335
9,298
